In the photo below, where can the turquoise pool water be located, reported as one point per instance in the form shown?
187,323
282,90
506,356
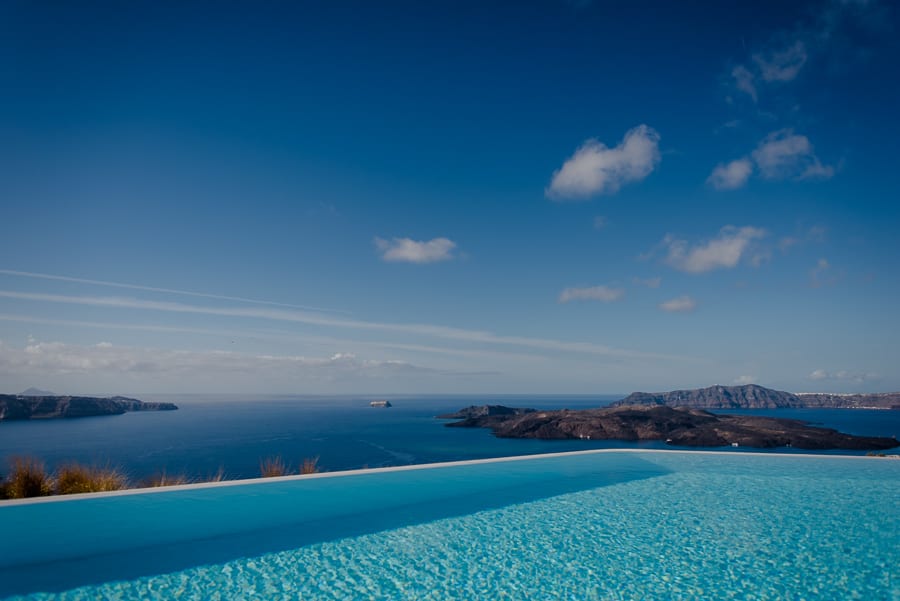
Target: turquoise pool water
597,525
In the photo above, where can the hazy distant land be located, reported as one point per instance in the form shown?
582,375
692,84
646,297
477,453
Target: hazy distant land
34,403
29,406
752,396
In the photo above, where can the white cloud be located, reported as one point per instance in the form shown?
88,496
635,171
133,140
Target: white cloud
787,242
722,252
813,235
842,375
783,154
817,233
600,222
598,169
408,250
744,380
816,170
105,359
823,274
681,304
782,65
744,81
780,155
605,294
280,335
729,176
437,331
648,282
822,33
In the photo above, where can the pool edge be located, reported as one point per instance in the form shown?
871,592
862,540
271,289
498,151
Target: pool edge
403,468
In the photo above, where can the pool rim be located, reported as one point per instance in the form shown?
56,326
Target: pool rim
405,468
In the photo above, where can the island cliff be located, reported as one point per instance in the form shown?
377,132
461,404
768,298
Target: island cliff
752,396
681,426
13,406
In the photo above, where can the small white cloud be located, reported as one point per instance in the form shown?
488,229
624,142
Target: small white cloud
648,282
600,222
822,33
744,81
681,304
816,170
822,274
780,155
413,251
604,294
722,252
598,169
729,176
842,375
783,65
817,233
744,380
818,374
783,154
787,242
758,258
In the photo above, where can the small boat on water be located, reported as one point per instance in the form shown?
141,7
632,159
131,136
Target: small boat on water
380,404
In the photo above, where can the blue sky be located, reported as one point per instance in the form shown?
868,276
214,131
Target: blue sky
548,197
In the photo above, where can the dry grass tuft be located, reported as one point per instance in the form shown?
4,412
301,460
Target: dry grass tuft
164,479
74,479
27,478
219,476
310,465
272,467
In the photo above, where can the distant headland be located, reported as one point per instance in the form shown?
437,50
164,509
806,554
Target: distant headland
683,426
751,396
31,406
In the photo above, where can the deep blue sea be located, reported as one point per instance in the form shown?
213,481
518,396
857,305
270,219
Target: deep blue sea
234,433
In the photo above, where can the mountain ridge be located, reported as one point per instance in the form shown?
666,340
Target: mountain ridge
753,396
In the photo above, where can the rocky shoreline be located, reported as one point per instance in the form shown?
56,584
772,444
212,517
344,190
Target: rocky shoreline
680,426
20,407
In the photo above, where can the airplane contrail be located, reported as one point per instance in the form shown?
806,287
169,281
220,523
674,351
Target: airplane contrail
63,278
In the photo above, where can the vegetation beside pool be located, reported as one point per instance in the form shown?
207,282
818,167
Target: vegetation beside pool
28,477
273,467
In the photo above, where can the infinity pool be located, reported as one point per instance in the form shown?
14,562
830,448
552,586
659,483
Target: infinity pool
593,525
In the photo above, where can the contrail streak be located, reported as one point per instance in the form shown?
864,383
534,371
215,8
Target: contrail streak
63,278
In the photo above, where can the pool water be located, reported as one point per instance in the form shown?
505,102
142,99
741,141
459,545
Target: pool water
595,525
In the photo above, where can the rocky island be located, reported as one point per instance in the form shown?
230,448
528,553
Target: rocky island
682,426
22,406
751,396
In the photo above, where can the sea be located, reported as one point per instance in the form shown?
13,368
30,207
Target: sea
232,434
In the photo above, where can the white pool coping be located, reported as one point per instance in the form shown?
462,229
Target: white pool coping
406,468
